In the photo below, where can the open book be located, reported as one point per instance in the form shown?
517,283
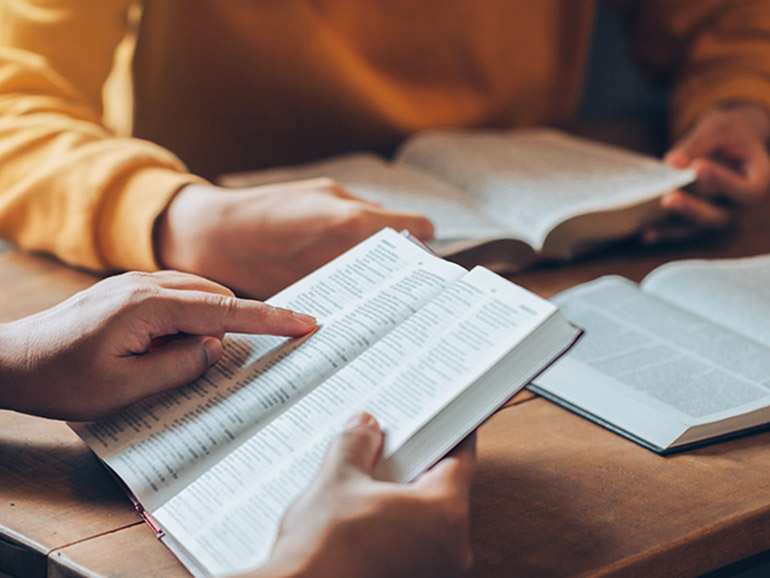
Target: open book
429,349
504,199
682,360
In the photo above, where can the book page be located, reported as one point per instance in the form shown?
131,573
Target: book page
403,380
162,444
653,369
454,214
528,181
734,293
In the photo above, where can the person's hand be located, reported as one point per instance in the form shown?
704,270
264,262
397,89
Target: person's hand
104,349
727,148
346,524
260,240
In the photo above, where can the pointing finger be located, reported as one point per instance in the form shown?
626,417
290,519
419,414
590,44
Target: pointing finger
199,313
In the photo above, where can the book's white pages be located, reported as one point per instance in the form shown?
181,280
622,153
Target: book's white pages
507,189
529,181
455,214
681,360
426,347
733,293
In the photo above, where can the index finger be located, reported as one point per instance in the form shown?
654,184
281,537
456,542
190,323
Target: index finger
201,313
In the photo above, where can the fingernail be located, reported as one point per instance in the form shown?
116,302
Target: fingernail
305,319
677,159
213,349
360,419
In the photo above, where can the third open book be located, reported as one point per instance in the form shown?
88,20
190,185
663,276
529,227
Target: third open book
680,360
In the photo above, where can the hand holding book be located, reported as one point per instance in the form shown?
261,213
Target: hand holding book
346,523
727,150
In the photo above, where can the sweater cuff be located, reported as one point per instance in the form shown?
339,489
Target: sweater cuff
127,220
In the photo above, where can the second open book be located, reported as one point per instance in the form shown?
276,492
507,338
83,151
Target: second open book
428,348
681,360
504,199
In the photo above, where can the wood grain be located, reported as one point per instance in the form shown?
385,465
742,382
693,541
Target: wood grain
556,495
53,492
30,283
133,552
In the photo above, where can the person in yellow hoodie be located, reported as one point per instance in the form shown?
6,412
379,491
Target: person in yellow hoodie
225,85
103,349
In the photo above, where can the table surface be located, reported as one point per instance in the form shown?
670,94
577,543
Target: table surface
554,495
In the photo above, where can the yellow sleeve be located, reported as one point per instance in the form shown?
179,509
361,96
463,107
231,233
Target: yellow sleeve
714,51
68,185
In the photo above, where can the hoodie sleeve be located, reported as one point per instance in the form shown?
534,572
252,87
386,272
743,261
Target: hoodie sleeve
68,185
713,52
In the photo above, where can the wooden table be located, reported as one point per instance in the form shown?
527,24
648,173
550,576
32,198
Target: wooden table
555,495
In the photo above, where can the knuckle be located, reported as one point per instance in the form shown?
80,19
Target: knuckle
720,122
327,184
353,441
228,304
139,287
137,278
353,220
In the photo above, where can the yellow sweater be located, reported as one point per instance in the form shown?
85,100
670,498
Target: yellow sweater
233,84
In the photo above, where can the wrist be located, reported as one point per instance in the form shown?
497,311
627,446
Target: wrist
755,116
181,227
13,381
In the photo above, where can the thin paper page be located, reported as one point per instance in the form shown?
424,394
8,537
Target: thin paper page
159,446
733,293
528,181
491,317
403,380
454,214
669,365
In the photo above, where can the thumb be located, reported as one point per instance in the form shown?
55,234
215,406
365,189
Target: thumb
356,450
176,363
